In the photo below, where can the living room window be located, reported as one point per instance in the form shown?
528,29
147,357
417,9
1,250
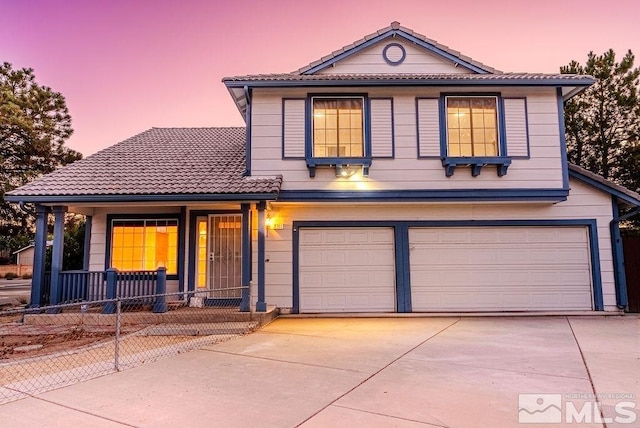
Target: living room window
144,245
338,127
472,127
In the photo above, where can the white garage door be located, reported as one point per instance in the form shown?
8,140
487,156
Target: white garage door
500,268
346,270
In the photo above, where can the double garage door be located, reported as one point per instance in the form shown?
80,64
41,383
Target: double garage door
451,269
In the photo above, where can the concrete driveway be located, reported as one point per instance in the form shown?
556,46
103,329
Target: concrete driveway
388,372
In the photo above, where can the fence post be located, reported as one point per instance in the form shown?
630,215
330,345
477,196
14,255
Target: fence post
112,283
116,356
161,290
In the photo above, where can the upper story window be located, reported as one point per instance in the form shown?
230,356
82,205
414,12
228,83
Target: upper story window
472,126
338,127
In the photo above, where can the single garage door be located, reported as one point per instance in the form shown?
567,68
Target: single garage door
346,270
500,269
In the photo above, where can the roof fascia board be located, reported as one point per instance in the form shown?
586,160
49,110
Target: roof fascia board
603,187
408,82
64,199
393,33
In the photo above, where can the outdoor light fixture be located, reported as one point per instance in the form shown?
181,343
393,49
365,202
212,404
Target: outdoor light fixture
345,171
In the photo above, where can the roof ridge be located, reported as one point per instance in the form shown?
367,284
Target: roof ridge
396,28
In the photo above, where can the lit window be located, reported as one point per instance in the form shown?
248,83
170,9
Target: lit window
472,126
338,127
144,245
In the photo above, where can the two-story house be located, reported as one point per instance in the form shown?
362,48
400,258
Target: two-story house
393,175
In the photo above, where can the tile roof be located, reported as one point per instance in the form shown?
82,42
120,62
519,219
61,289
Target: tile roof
522,78
159,161
396,28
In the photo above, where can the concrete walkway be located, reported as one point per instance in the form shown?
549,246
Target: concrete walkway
387,372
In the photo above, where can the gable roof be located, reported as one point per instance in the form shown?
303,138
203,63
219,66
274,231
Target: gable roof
160,164
396,30
597,181
481,74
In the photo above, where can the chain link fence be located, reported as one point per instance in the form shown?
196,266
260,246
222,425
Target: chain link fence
54,346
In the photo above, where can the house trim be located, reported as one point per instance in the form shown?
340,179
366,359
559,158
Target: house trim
403,286
174,197
409,38
433,195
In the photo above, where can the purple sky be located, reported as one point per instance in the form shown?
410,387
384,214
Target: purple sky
127,65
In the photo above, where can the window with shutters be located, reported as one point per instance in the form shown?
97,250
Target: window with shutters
473,134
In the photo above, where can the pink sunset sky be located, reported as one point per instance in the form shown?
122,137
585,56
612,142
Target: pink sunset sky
127,65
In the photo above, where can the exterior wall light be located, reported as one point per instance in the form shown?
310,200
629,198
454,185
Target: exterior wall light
346,171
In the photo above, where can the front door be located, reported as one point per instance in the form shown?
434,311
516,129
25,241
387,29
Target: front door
219,268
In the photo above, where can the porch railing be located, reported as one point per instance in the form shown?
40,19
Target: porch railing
87,286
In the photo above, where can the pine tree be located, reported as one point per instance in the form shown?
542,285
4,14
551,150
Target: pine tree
34,125
603,123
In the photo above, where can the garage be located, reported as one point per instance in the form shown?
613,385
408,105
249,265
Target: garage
347,269
500,268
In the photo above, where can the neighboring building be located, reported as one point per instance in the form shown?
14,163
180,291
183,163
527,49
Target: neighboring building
393,175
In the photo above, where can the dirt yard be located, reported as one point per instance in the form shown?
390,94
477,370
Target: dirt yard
31,345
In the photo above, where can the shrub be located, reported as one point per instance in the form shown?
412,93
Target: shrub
1,276
10,275
26,276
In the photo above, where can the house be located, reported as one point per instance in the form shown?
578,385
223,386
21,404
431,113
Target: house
393,175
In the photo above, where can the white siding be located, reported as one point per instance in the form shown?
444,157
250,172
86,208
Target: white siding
583,202
417,60
406,171
428,127
294,128
381,128
515,116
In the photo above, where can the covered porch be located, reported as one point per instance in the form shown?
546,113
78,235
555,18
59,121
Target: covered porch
214,252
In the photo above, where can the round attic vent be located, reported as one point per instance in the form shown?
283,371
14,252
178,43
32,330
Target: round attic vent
394,54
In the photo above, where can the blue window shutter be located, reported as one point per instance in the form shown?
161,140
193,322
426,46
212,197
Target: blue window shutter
381,127
293,132
428,118
517,134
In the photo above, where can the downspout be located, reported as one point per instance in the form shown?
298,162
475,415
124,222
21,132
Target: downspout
618,253
247,113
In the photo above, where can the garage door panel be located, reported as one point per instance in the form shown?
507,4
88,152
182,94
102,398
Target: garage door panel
500,268
346,270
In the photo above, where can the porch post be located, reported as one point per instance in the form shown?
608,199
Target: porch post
246,257
261,304
56,255
87,242
160,304
37,281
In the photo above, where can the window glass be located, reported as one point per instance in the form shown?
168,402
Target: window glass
472,126
144,245
337,127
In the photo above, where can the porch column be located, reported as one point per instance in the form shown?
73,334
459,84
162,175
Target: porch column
39,256
56,255
246,257
87,242
261,304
